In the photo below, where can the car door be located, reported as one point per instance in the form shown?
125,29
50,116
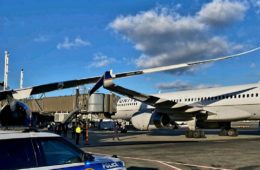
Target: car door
56,153
17,154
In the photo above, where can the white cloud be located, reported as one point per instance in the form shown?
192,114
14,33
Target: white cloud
165,37
101,60
179,85
222,12
76,43
41,38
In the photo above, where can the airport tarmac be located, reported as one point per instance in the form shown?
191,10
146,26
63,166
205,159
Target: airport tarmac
169,149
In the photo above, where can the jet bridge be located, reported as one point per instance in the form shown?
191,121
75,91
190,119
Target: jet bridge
102,103
98,103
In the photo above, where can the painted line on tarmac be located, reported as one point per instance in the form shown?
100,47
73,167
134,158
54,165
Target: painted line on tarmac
177,163
151,160
197,166
142,159
166,163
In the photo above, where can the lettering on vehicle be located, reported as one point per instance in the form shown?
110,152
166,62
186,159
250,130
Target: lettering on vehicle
110,165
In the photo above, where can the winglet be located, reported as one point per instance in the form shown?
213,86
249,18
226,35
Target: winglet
107,76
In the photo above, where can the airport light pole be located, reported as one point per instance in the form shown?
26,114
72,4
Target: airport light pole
6,70
21,79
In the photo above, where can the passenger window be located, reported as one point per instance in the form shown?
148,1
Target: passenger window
256,95
16,154
58,152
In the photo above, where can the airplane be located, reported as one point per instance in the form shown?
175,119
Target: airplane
15,112
212,108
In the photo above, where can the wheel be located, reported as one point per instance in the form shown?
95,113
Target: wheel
232,132
189,134
202,134
196,134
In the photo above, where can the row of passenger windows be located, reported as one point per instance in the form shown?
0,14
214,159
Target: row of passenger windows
128,104
218,97
202,98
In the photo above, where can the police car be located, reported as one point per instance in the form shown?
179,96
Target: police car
42,150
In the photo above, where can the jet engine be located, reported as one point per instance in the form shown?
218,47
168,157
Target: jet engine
15,113
147,121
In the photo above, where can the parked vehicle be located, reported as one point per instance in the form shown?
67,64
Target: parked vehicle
42,150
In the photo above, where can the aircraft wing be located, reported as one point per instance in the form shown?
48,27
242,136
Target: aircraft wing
166,104
152,100
26,92
99,83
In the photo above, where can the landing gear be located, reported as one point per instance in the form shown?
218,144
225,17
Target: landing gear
195,134
193,131
228,132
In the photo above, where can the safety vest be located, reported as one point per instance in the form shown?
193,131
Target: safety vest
78,130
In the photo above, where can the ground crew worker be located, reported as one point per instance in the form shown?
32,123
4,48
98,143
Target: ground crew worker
78,131
116,128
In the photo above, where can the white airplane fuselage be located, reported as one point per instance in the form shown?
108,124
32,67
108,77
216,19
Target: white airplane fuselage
243,101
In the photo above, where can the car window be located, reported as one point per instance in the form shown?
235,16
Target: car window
57,151
16,153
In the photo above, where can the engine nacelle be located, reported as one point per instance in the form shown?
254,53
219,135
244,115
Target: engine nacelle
141,120
16,113
146,120
160,120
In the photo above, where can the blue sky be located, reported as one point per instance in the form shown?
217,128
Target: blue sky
63,40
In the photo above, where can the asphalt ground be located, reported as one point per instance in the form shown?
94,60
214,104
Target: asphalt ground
169,149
